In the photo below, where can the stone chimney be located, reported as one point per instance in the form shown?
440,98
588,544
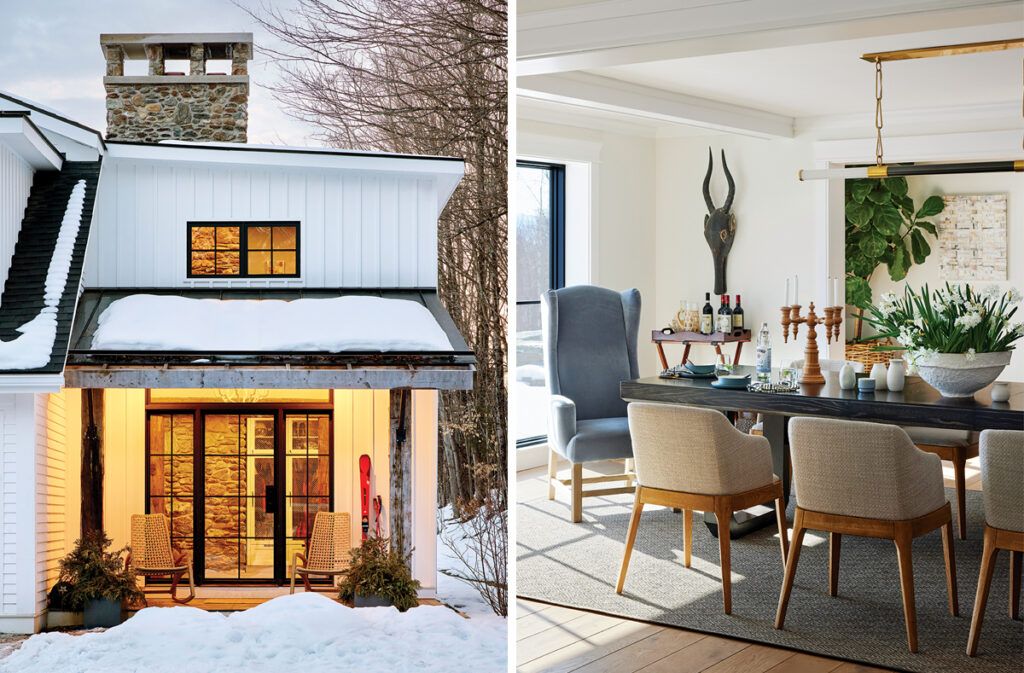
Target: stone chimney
162,105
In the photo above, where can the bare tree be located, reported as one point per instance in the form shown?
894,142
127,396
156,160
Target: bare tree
425,77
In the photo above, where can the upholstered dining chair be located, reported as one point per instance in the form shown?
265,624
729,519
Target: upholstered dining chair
694,459
590,337
956,446
866,479
1002,476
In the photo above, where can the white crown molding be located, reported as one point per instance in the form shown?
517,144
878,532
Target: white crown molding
603,93
621,32
576,116
985,145
959,119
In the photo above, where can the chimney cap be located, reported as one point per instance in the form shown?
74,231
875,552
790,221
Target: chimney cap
134,44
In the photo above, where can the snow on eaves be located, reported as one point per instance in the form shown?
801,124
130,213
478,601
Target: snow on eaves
145,322
32,349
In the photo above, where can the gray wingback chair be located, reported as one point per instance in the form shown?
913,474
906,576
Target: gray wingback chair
590,337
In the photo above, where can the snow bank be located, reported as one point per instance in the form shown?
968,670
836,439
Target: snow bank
303,633
32,349
171,323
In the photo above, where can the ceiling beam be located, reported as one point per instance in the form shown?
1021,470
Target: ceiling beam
623,32
603,93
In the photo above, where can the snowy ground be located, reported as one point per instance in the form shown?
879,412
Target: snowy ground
305,633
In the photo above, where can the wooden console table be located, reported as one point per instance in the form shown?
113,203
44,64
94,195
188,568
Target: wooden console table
715,339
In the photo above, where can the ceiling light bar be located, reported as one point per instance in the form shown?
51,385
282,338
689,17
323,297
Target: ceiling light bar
897,170
947,50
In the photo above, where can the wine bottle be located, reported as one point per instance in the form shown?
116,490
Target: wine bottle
725,316
737,317
707,316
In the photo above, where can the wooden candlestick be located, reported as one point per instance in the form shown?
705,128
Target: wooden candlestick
812,370
791,316
833,319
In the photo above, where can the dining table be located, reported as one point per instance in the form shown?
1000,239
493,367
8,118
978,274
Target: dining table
917,404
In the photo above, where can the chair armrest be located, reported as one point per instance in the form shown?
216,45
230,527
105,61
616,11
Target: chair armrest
295,559
562,417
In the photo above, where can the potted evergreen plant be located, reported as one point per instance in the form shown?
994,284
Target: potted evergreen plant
959,338
379,576
99,582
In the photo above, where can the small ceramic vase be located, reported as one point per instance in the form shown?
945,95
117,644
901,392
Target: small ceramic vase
847,377
895,377
1000,391
878,373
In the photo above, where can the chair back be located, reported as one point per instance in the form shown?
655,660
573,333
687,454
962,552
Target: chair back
694,450
590,341
1002,478
869,470
331,542
151,542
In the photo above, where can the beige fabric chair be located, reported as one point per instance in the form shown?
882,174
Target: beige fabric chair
327,550
1002,476
956,446
694,459
866,479
151,555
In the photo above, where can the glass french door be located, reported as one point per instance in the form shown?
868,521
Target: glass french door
240,493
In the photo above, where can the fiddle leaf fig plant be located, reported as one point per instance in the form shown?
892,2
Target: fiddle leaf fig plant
884,226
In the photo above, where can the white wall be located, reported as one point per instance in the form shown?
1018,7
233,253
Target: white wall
776,233
15,184
355,230
922,187
622,234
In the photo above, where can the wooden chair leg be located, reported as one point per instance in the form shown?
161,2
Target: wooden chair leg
552,472
634,523
577,492
947,550
988,564
723,516
791,561
1015,567
903,542
687,536
780,516
959,475
835,540
305,582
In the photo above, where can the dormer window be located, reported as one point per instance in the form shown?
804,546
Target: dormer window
243,249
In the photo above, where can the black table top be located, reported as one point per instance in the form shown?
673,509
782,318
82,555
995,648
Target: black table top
917,404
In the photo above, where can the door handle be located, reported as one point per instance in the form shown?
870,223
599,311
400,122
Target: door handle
270,499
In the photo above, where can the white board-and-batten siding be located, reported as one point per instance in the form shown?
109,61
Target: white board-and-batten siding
15,184
356,229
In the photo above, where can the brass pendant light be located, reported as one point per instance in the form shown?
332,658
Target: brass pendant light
880,169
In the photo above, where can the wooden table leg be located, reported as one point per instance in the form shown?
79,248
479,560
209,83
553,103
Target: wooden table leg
686,353
736,358
661,354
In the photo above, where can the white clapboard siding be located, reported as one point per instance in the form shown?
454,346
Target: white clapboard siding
15,185
51,482
357,228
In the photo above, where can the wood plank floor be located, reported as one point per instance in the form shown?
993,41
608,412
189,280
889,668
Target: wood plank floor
558,639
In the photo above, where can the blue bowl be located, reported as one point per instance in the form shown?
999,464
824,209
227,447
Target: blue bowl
866,385
700,369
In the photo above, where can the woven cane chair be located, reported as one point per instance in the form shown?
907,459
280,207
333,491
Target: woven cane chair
327,549
1002,472
869,480
151,555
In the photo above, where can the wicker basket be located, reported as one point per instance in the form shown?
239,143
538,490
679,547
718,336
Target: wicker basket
865,352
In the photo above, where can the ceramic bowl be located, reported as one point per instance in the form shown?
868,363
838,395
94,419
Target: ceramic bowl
700,369
866,385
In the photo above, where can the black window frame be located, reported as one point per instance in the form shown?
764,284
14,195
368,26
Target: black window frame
556,251
243,248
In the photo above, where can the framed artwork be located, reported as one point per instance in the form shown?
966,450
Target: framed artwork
972,237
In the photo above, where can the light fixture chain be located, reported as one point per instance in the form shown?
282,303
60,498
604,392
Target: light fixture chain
878,111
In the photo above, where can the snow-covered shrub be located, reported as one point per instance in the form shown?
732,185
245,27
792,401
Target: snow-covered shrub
379,570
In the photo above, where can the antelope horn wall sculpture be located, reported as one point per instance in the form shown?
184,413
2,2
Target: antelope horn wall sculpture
719,223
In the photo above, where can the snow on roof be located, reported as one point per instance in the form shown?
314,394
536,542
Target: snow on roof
143,322
32,349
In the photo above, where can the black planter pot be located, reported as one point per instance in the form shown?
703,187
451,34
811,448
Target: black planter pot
103,612
373,601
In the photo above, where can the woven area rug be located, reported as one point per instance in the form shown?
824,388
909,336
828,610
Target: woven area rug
577,565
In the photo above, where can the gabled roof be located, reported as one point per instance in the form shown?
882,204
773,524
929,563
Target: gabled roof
23,296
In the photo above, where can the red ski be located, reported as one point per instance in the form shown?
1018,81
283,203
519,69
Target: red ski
364,491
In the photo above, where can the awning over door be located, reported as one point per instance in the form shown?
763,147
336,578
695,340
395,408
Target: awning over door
263,338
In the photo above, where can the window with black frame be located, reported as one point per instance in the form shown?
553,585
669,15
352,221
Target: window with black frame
540,266
243,249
